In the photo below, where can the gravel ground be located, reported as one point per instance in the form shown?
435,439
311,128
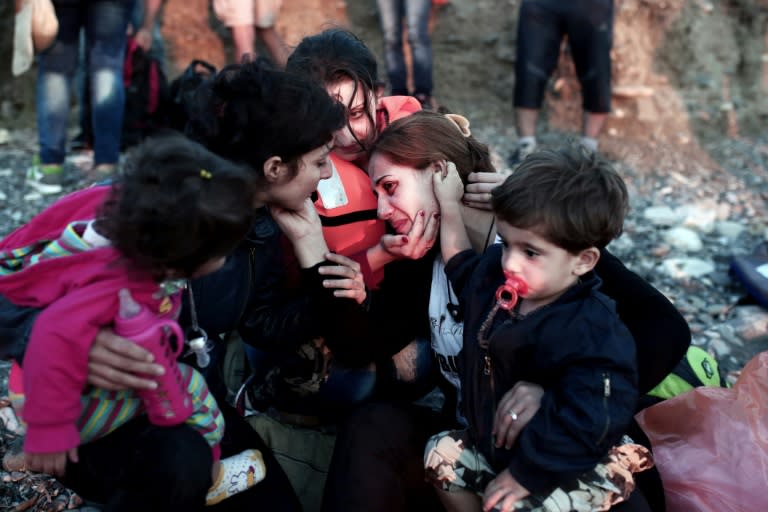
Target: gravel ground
721,204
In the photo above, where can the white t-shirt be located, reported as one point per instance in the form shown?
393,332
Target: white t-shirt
447,335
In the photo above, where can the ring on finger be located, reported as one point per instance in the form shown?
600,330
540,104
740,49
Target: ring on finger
512,414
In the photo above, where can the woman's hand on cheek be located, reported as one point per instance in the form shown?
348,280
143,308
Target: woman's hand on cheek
298,224
117,364
303,229
349,283
447,184
418,241
477,193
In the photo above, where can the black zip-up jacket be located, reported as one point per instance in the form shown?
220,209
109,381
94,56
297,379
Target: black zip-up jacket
576,348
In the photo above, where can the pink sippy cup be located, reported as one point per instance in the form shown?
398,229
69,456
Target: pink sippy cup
508,293
170,403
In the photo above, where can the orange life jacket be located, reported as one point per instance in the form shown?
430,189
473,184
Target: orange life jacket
392,108
347,209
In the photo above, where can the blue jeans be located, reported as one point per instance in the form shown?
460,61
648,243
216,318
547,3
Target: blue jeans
416,13
83,86
105,23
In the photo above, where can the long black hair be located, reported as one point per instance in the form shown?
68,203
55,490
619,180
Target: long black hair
249,112
334,55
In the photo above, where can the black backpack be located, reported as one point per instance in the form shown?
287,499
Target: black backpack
182,92
146,96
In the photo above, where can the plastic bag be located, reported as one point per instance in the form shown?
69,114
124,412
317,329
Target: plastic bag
35,29
711,444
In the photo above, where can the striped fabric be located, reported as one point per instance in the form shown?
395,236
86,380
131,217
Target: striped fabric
105,411
69,242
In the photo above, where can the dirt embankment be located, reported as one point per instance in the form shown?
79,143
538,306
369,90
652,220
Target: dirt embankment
686,72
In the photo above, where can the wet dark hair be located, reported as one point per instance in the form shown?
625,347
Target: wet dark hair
334,55
177,206
571,197
249,112
425,137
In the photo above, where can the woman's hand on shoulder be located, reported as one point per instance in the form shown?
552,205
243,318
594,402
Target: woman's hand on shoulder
477,193
348,282
115,363
514,411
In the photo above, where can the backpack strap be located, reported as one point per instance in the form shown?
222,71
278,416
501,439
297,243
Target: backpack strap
133,46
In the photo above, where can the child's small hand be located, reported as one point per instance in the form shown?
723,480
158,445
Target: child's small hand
53,463
447,183
503,492
350,282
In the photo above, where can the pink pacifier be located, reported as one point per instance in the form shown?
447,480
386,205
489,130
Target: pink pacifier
508,293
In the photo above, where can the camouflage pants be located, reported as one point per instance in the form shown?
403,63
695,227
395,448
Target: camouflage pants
452,464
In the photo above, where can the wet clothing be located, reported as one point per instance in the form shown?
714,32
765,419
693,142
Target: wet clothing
541,27
576,348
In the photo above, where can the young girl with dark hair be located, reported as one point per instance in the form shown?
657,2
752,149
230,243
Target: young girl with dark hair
174,214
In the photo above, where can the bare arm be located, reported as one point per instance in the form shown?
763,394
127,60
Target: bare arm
449,189
144,32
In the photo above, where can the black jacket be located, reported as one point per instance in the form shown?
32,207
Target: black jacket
253,294
576,348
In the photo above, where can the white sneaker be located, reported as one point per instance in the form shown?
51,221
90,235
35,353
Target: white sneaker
46,179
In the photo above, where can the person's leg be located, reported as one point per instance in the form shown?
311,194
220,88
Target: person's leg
539,35
243,39
265,16
391,17
377,462
277,48
525,121
417,17
590,36
144,467
457,470
56,69
83,140
105,35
